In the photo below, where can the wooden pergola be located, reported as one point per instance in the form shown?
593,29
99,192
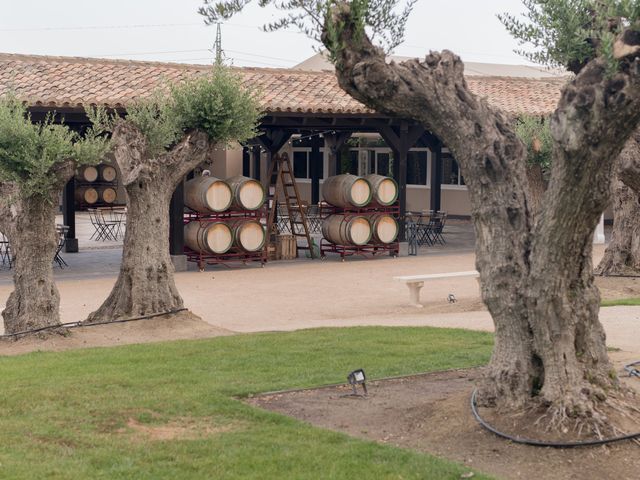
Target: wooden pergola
278,128
294,102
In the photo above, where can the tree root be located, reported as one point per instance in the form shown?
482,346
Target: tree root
576,417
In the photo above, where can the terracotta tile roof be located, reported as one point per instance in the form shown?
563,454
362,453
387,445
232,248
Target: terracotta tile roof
68,82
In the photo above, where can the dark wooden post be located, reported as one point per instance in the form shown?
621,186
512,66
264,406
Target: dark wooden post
255,153
401,141
246,161
436,177
272,141
176,228
69,216
316,164
334,142
401,160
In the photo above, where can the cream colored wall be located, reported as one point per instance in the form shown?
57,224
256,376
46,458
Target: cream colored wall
454,201
418,198
233,160
227,162
218,165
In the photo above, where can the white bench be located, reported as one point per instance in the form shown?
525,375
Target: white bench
416,282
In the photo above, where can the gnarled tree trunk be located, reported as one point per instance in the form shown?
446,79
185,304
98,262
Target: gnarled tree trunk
622,256
536,279
537,186
146,283
29,222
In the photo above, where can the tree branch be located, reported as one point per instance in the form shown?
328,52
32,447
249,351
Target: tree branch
8,211
629,163
194,145
62,172
130,149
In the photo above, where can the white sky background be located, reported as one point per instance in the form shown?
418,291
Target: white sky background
172,30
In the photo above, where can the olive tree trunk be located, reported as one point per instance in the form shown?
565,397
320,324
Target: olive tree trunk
29,222
536,278
146,283
622,256
537,186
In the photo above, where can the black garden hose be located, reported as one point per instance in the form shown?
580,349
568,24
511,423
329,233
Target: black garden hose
80,324
540,443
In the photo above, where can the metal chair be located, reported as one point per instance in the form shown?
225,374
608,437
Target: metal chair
5,251
437,227
62,238
104,229
283,219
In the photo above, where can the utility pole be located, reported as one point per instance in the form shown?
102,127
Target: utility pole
218,46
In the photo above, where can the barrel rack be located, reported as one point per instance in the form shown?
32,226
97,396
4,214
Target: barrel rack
369,250
97,184
234,255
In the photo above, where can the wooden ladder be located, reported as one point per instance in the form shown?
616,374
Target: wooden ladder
286,182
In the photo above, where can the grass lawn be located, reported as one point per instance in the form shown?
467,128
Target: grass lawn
620,301
87,414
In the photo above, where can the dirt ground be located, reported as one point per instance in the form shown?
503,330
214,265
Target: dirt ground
181,326
431,413
299,294
612,288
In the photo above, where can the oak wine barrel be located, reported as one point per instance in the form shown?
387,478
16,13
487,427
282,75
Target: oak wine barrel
88,174
207,194
108,173
384,228
347,191
87,195
248,235
385,189
210,238
108,194
346,229
248,194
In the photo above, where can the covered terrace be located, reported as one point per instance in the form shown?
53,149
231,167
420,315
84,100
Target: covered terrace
295,103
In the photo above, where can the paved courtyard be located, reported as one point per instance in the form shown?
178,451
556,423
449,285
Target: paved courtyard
304,293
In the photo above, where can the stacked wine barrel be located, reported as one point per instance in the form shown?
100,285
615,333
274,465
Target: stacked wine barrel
227,218
361,214
97,185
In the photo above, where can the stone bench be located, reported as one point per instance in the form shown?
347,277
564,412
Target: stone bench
416,282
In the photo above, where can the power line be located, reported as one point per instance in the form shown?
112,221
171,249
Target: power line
262,56
101,27
133,26
133,54
180,60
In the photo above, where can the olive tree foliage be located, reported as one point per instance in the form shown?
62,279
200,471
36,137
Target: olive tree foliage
535,133
161,140
31,154
385,20
570,34
536,271
36,160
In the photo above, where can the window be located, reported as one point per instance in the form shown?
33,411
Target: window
349,162
302,163
450,170
364,161
417,164
382,164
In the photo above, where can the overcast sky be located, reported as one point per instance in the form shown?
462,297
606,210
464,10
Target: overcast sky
172,30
